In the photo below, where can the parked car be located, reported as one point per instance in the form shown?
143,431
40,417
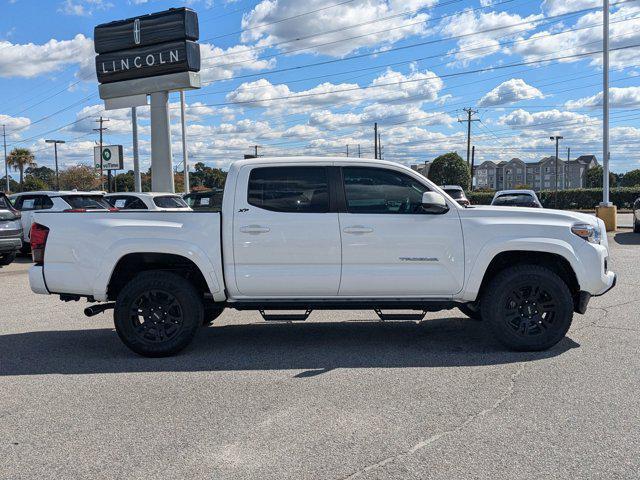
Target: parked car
210,200
457,193
154,201
10,231
302,233
636,216
66,201
516,198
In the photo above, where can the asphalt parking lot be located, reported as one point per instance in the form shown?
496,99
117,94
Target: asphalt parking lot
339,396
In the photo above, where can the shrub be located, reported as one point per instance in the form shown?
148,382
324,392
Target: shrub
575,199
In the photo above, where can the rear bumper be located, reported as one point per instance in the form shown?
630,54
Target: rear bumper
10,244
36,280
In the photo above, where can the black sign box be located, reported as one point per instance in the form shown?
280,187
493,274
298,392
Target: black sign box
162,59
169,25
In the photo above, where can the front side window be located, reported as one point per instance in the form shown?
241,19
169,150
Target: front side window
289,189
379,190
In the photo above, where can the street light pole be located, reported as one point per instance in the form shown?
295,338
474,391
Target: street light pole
55,150
557,138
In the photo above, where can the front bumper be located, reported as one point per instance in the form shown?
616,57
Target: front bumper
9,245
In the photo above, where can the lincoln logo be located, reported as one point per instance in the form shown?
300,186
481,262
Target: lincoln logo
136,31
141,61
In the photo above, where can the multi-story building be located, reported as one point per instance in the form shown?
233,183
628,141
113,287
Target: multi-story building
537,175
422,168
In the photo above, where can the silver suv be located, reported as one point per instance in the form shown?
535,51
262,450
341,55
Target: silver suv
10,231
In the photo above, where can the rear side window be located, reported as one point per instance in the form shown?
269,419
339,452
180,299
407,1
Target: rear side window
4,203
170,202
290,189
517,200
127,203
87,202
33,202
379,190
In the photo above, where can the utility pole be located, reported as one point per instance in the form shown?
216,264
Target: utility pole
379,147
605,105
6,159
375,140
473,156
566,169
358,150
470,113
101,129
185,156
557,138
347,150
55,153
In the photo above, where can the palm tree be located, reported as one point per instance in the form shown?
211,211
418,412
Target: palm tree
19,159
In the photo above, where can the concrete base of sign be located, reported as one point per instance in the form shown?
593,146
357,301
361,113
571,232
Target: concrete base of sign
608,214
143,86
161,157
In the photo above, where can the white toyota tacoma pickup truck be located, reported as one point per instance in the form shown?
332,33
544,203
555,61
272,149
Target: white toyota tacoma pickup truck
298,234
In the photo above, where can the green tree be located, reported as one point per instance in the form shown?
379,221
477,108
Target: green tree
631,178
594,178
19,159
44,175
125,182
450,169
32,184
79,177
204,176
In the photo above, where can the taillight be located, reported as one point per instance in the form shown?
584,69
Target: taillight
75,210
38,236
114,209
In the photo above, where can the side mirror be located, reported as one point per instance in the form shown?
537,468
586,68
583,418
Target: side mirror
433,202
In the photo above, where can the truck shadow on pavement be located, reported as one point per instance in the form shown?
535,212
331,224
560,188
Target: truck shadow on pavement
314,347
627,238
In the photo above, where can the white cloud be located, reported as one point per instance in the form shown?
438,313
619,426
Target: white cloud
624,97
510,91
558,7
14,123
30,60
520,117
265,24
469,23
586,36
221,64
83,8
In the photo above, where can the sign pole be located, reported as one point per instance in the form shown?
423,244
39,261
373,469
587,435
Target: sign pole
605,106
161,161
6,160
185,156
136,161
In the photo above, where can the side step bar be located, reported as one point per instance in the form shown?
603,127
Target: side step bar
285,317
389,317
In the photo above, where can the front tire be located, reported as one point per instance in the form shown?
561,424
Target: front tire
528,308
636,226
158,313
7,258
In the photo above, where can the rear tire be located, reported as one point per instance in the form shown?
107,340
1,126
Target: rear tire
471,310
636,226
7,258
527,308
158,313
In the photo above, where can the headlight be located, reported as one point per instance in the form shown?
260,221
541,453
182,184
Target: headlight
590,233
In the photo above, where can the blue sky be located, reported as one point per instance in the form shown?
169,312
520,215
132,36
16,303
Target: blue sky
312,77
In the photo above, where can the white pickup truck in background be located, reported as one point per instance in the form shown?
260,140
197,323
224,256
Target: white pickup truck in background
297,234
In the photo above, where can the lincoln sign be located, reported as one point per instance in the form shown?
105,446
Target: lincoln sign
148,46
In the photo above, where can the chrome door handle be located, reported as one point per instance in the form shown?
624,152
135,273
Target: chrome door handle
254,229
357,229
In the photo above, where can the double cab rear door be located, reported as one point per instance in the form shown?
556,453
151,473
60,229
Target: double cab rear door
351,230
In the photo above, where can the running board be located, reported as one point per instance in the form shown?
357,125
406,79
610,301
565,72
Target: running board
399,316
285,317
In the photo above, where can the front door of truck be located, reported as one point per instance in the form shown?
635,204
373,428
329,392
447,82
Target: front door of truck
286,240
390,246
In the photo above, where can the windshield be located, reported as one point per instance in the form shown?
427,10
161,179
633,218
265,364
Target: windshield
86,202
454,193
170,202
516,199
